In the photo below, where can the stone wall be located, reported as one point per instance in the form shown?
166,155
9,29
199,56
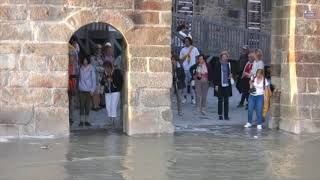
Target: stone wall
295,66
222,11
34,37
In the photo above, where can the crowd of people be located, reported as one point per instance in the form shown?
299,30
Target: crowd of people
193,75
95,82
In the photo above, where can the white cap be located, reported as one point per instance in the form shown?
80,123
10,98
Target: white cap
108,44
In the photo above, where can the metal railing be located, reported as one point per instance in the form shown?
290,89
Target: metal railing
212,38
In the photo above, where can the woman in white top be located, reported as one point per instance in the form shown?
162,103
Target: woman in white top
258,62
258,86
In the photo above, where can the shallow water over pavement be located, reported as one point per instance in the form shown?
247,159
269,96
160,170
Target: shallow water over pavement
212,153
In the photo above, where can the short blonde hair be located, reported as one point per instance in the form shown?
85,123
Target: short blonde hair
259,54
224,53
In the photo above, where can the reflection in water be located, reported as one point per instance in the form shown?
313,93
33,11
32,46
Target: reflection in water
219,153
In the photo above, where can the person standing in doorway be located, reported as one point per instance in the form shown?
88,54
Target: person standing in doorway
244,57
108,53
178,80
113,82
202,84
188,55
97,63
222,84
87,86
258,85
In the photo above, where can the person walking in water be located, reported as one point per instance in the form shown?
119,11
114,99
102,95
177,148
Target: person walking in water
202,84
258,85
222,84
113,82
178,80
188,55
87,86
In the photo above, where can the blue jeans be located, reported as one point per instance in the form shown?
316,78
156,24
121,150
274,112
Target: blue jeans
255,103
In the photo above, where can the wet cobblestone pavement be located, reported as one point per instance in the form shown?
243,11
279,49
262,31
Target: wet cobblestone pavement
214,153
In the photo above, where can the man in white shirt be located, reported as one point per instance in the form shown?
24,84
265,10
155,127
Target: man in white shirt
188,55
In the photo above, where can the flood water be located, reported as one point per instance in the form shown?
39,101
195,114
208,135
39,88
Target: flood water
211,153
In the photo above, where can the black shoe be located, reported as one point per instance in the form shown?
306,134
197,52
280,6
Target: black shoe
220,118
87,124
102,106
227,118
81,124
247,107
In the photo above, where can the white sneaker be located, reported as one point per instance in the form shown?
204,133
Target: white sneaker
183,101
259,127
248,125
193,101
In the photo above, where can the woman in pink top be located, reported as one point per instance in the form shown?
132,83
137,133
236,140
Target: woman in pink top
202,84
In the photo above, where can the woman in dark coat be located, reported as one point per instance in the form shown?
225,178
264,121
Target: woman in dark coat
178,80
222,84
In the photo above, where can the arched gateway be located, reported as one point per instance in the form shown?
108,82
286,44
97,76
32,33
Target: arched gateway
34,64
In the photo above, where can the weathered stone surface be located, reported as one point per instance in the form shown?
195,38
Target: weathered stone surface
138,65
53,32
81,18
166,18
59,63
151,36
117,19
51,2
4,76
10,48
60,97
150,80
312,85
153,5
167,115
34,63
83,3
18,79
8,62
13,12
23,96
16,114
52,121
13,1
9,130
155,97
145,17
111,4
42,49
48,13
57,80
160,65
150,51
15,31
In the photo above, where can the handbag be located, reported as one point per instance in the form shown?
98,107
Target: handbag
231,79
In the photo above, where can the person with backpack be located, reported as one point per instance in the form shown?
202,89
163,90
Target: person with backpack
259,85
178,80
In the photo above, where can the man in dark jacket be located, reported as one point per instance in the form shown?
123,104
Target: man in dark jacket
244,58
178,80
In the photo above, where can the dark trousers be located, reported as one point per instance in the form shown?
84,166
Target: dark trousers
223,101
85,103
244,96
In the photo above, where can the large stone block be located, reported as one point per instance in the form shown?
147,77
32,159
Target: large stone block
48,2
18,79
23,96
82,3
10,48
155,97
166,18
82,18
145,17
59,32
59,63
13,12
150,51
160,65
13,114
153,5
16,2
4,77
49,13
138,65
52,121
112,4
42,49
8,62
46,80
150,80
117,19
15,31
60,97
151,36
34,63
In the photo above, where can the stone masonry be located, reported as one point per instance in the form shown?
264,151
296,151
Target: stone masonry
295,66
34,37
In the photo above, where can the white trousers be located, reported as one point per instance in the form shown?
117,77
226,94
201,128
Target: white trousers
112,101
